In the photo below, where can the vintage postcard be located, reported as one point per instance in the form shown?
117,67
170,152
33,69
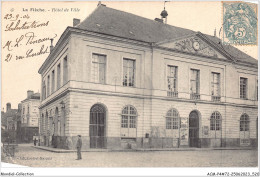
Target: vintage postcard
129,84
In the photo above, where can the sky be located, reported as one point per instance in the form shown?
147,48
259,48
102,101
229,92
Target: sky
20,75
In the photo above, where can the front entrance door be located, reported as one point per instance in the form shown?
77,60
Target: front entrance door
97,126
193,129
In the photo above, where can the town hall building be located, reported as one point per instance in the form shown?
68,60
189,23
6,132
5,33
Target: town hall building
122,81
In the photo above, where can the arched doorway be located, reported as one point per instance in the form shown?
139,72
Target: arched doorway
194,129
97,126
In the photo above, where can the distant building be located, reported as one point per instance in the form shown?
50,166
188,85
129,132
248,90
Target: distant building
30,116
10,121
124,81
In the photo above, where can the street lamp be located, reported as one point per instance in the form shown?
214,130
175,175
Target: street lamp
62,104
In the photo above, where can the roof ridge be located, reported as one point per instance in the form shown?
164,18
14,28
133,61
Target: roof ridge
88,16
148,19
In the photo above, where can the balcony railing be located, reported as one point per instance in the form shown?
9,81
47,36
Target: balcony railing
195,96
172,94
215,98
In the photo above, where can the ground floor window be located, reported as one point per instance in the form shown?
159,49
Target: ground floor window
244,123
172,119
215,121
128,121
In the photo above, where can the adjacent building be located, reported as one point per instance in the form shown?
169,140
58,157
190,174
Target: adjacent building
124,81
30,116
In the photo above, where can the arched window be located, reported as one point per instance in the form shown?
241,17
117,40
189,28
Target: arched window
244,123
215,121
172,119
129,116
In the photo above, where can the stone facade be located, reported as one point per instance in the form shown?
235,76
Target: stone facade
70,92
30,117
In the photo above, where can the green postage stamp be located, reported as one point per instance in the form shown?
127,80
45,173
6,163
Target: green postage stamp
239,23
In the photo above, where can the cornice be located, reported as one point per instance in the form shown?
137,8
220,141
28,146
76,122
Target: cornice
215,46
62,94
191,55
111,37
222,51
138,96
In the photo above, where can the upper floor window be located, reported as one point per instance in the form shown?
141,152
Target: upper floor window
58,76
65,70
215,84
48,85
195,81
243,88
23,110
172,78
256,89
43,90
172,119
129,115
244,123
28,110
128,72
215,121
99,68
52,81
195,84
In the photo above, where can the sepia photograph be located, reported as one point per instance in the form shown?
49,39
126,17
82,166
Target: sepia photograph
129,84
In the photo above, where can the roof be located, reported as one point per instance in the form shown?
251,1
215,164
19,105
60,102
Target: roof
122,24
118,23
236,53
35,96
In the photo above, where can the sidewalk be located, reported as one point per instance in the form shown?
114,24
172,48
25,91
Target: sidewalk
141,149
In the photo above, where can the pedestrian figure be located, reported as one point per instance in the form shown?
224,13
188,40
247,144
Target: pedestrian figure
34,141
79,144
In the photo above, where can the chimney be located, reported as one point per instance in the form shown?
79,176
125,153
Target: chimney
75,22
51,47
215,33
29,93
158,20
8,107
19,107
100,4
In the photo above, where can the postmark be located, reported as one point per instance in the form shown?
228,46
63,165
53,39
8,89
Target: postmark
239,23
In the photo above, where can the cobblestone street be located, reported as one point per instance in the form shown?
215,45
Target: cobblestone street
30,156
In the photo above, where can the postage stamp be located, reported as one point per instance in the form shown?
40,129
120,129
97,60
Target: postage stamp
239,23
